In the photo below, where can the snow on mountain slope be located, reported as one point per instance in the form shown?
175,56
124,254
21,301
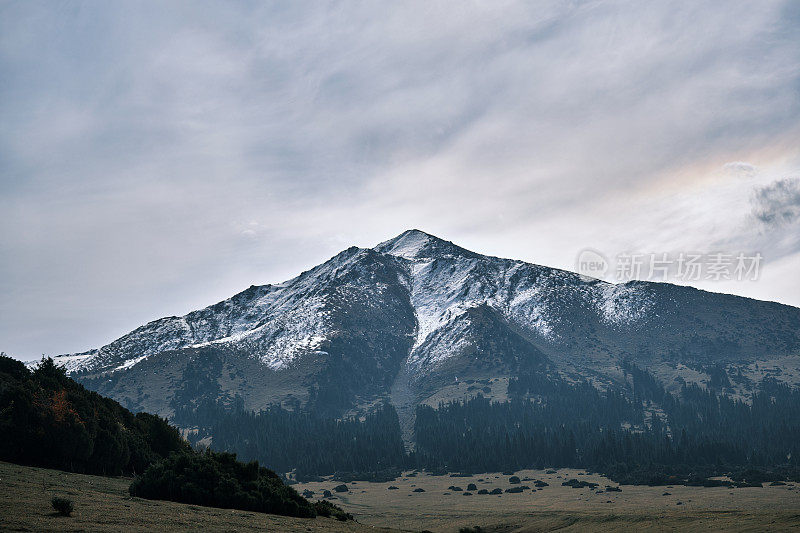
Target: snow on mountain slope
416,305
277,323
446,281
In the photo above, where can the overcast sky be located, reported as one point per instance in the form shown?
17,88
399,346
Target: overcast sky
158,157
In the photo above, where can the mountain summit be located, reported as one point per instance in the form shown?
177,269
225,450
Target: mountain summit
419,319
414,244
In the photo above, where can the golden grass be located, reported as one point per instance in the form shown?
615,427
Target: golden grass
560,508
103,504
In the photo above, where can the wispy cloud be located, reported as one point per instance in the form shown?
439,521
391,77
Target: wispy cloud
157,157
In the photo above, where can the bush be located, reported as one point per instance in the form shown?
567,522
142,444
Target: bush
325,508
218,480
472,486
62,506
341,488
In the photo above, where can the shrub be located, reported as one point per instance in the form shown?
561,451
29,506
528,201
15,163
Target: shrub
219,480
514,480
575,484
62,506
325,508
341,488
472,486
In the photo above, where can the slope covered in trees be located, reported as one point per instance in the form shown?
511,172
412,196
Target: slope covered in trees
368,449
49,420
639,434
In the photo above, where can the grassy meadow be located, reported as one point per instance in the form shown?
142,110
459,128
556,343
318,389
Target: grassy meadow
103,504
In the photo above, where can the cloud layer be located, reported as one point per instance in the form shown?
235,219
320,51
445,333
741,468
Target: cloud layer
155,158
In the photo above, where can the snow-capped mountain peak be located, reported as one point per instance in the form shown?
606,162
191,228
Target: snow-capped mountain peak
424,308
415,245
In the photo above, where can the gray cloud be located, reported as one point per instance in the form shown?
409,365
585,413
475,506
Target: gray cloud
155,158
778,203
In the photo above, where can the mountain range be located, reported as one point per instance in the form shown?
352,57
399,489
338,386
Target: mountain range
418,319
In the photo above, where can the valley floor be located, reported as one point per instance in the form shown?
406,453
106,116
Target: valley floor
556,507
103,504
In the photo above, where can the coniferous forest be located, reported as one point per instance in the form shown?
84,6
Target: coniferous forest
639,435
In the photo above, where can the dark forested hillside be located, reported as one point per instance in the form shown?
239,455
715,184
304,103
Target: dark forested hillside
640,434
284,440
47,419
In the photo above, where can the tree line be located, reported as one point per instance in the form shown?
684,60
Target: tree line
637,434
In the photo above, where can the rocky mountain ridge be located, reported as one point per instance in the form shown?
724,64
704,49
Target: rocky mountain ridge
416,318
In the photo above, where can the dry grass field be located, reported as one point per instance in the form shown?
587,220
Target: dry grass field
636,508
103,504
